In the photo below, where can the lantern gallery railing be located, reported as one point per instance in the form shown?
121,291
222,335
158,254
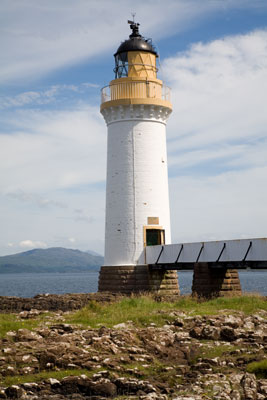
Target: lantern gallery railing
135,89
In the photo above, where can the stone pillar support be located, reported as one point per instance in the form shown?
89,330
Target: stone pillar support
208,282
163,282
137,279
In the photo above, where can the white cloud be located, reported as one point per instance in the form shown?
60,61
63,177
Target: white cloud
52,164
32,244
229,206
50,95
38,38
218,139
55,225
219,90
52,150
36,199
219,95
72,240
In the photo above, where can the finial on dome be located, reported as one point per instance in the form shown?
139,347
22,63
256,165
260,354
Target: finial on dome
135,27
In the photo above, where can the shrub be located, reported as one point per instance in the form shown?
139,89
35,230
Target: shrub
259,368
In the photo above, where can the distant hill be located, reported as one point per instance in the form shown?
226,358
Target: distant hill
54,259
94,253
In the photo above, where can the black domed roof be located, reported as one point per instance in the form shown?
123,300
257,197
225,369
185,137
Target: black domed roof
136,42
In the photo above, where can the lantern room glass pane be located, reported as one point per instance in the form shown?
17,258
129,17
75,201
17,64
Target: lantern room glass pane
121,65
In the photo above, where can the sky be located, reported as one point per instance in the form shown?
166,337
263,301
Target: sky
56,55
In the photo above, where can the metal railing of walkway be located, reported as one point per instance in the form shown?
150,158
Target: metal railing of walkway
238,254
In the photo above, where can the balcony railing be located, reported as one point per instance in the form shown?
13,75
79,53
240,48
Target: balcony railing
137,90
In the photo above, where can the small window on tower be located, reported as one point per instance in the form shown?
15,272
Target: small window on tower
153,237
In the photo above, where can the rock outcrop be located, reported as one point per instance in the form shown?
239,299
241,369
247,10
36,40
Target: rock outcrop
189,358
53,302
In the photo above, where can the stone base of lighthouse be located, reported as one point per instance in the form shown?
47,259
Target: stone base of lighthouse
137,279
208,282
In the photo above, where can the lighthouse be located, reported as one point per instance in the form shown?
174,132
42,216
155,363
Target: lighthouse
136,106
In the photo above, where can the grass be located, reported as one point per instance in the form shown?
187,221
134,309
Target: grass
215,351
155,370
41,376
140,310
9,322
259,368
144,310
247,303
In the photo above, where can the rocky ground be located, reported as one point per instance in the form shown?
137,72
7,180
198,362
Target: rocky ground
54,302
192,357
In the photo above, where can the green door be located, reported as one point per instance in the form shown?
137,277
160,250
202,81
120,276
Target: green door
154,237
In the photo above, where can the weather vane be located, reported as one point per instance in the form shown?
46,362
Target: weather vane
134,26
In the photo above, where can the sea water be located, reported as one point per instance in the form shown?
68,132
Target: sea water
28,285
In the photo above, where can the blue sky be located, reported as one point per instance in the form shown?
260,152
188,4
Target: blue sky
56,55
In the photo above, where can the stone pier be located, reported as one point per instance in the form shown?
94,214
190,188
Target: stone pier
137,279
210,282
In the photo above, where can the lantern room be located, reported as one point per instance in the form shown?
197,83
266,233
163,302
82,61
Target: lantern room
135,71
136,57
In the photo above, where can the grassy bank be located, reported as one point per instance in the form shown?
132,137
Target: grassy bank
41,376
152,355
141,311
10,322
145,310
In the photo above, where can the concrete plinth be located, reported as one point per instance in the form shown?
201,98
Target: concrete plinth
208,282
137,279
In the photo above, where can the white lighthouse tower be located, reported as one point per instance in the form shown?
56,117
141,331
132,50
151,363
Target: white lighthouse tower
136,106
